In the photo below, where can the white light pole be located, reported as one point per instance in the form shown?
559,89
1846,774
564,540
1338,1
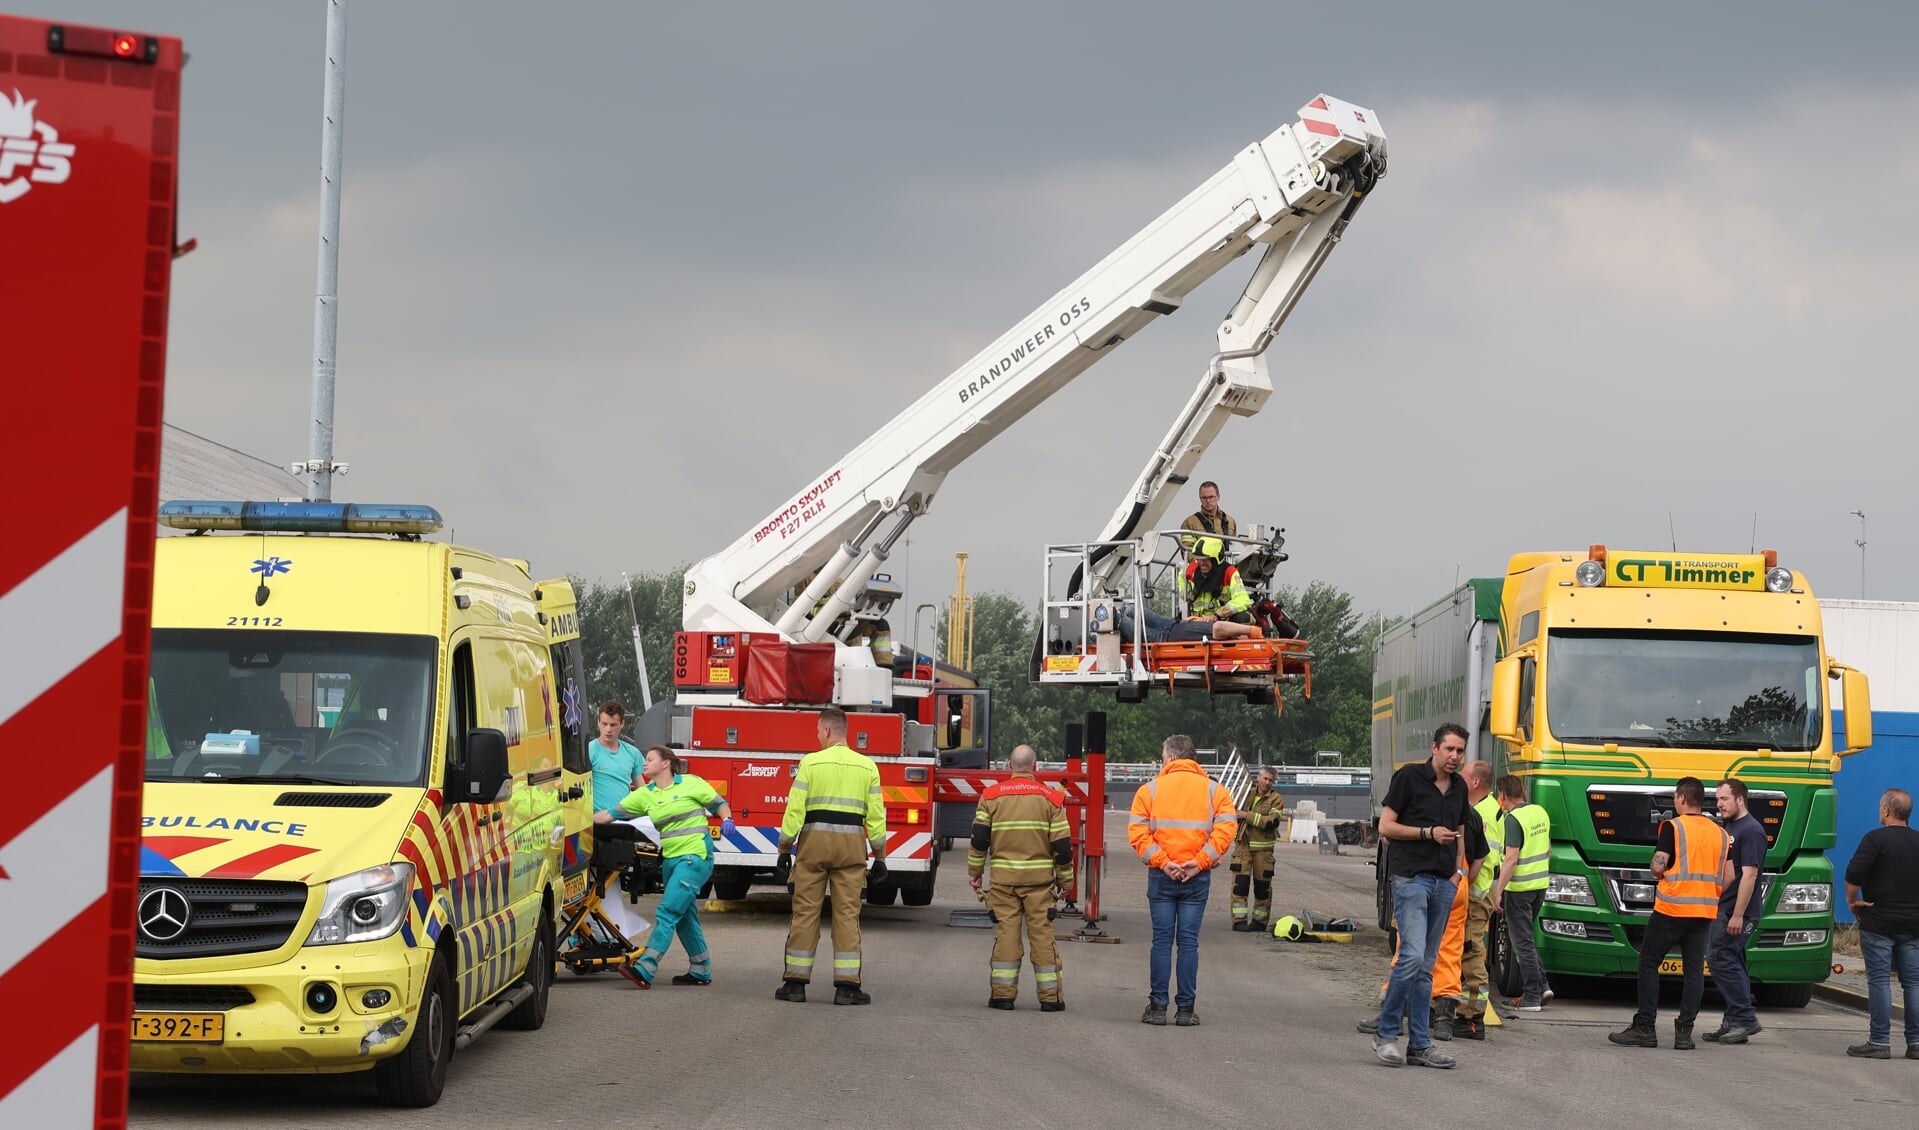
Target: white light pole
326,299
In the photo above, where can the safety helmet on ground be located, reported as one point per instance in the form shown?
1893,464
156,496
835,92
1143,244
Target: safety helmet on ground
1289,928
1209,547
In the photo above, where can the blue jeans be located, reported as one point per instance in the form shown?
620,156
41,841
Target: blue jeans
1156,625
679,915
1176,909
1884,953
1421,905
1727,956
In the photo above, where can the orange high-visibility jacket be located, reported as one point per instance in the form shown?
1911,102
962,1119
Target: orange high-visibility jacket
1182,815
1691,886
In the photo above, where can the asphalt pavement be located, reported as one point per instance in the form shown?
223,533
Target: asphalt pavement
1276,1046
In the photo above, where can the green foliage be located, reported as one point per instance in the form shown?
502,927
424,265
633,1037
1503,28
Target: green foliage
606,635
1337,717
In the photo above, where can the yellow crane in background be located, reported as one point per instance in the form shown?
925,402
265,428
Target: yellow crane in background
959,621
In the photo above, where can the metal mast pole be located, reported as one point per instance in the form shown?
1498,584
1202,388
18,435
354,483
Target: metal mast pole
1861,543
326,299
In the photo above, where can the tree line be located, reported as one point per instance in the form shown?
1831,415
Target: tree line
1337,717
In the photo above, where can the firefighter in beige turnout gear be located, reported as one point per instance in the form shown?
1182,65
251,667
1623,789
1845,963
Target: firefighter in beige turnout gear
835,812
1020,829
1253,857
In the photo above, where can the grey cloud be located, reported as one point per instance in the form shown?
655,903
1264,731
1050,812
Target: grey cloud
1630,259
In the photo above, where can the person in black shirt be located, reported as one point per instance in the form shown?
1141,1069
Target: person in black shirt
1882,888
1732,930
1424,816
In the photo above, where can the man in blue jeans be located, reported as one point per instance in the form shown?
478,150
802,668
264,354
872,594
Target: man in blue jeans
1882,888
1423,818
1182,825
1734,927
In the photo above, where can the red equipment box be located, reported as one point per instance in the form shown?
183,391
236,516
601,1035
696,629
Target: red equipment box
778,672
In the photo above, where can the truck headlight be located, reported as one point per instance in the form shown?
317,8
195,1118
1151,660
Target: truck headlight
1779,580
1572,890
1801,898
363,907
1590,574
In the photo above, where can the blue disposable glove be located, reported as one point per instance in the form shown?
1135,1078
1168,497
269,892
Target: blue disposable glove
727,826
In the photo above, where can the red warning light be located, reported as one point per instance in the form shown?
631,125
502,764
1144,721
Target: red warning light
63,39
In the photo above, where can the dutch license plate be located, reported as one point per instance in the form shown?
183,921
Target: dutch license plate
180,1027
1675,966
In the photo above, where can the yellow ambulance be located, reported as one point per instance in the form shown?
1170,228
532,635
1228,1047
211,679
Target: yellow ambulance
366,783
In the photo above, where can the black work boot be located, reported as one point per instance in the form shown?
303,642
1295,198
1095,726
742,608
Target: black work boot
1185,1018
1004,1004
794,991
1682,1037
1241,926
1155,1014
1441,1025
1637,1036
850,994
1052,1006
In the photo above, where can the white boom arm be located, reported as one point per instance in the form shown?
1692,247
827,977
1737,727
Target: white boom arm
1235,383
1290,192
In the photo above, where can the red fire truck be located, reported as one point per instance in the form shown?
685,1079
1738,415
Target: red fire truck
89,131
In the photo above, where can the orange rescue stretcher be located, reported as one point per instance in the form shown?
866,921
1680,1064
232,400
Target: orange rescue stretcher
1220,664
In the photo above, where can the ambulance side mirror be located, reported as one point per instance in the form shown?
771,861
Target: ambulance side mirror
483,776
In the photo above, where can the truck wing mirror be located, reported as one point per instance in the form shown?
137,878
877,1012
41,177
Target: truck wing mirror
483,777
1504,716
1856,700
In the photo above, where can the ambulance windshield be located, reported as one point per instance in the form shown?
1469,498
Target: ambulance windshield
329,707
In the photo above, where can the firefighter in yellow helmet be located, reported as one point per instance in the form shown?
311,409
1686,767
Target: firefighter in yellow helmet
834,813
1021,830
1253,856
1210,587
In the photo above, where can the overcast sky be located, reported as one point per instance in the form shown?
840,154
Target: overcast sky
618,279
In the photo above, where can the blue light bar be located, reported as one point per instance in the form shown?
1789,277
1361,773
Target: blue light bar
301,517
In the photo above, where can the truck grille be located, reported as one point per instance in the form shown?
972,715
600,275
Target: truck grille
1633,890
1631,814
190,998
214,917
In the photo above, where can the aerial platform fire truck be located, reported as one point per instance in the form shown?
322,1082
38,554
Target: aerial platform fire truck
778,623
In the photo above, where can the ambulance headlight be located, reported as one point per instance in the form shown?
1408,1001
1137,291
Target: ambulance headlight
1779,580
1590,574
363,907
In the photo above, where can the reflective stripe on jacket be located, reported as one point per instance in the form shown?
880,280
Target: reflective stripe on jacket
1231,599
1691,886
1262,816
1021,828
1535,850
679,811
1182,816
1494,821
836,789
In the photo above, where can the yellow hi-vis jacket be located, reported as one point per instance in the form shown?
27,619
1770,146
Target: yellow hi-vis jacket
1494,820
835,791
1182,816
1533,868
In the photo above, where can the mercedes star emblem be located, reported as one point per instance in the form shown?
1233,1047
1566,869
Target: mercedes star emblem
164,913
